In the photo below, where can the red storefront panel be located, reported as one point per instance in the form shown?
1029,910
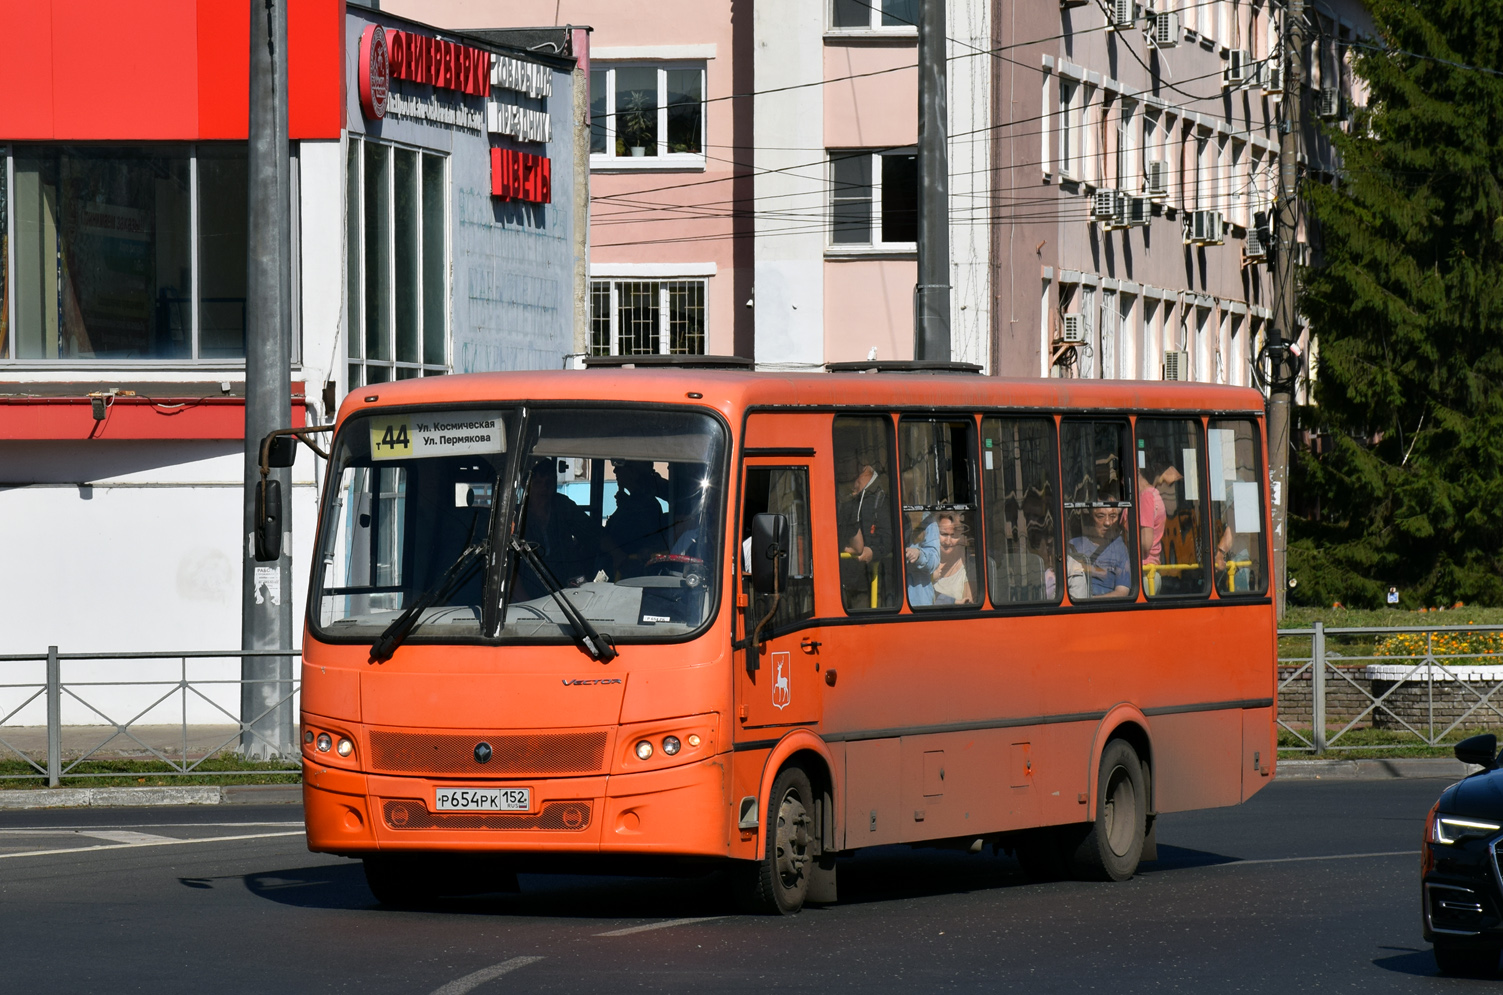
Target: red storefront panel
144,70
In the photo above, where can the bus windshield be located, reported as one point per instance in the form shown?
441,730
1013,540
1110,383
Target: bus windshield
621,507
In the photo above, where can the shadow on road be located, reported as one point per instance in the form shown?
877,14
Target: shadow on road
1408,961
881,874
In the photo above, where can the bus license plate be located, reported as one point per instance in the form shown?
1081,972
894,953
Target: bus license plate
482,799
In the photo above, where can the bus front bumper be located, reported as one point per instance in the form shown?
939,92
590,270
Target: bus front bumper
678,811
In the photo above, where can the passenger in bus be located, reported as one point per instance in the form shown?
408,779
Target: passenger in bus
922,556
1099,557
566,539
865,524
1151,514
638,527
952,578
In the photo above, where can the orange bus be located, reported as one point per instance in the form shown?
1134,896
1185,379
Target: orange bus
685,614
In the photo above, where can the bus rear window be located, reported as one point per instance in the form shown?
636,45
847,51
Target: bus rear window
1236,485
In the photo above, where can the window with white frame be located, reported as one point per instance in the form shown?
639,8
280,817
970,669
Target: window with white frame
1239,189
397,272
1126,117
1069,138
874,198
647,114
631,317
123,253
874,15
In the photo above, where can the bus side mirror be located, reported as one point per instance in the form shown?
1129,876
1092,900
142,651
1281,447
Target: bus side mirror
769,553
269,521
281,451
1481,750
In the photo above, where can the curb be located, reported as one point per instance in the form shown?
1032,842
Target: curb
244,794
1371,770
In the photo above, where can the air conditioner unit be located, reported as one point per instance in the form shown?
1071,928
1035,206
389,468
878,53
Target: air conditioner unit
1329,103
1135,212
1176,365
1072,329
1157,179
1239,67
1272,77
1255,250
1165,29
1122,14
1104,205
1203,227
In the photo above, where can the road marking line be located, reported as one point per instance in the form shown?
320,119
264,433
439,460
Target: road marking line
124,836
659,925
471,981
1333,856
163,841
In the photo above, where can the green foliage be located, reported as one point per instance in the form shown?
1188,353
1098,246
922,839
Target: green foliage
1408,309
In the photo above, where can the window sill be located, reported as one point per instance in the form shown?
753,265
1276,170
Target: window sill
871,34
897,250
649,164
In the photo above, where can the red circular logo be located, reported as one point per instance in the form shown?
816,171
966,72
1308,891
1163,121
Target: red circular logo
375,72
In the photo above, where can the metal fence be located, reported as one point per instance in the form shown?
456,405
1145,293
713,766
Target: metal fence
159,687
1362,689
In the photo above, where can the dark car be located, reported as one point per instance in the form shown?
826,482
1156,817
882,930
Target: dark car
1462,882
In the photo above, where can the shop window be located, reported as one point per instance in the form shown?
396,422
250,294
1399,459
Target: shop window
874,199
1018,467
874,15
941,526
1171,525
866,513
1235,479
123,253
647,317
397,290
1100,537
647,115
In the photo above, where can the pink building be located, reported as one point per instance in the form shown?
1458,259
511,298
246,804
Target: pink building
754,184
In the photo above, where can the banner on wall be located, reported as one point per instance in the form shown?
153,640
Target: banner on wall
521,176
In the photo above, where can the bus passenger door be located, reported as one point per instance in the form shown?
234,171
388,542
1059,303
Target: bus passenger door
779,686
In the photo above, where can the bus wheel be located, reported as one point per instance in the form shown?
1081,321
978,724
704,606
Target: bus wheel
1113,843
778,883
398,883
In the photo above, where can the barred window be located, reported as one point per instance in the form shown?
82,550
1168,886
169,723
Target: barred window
647,317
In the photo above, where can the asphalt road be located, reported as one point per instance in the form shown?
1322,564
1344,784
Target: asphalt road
1311,886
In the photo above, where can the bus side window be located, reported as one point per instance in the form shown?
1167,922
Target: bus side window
1236,480
1018,467
1100,534
781,490
865,512
941,546
1171,524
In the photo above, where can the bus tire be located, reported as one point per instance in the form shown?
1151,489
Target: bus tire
1113,843
398,883
779,882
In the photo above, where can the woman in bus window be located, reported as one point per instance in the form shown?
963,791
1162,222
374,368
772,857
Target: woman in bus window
952,578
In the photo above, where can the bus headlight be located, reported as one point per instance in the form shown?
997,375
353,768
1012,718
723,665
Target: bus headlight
346,747
670,745
324,742
644,750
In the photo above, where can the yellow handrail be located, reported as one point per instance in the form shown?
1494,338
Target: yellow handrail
1151,574
1231,573
852,556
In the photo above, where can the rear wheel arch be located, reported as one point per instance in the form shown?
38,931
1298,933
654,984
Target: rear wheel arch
1125,722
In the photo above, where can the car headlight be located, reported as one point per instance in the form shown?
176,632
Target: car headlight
1454,829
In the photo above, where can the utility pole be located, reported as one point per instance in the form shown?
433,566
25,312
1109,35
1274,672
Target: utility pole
266,588
931,310
1285,331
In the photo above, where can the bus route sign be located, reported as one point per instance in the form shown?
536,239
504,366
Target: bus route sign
443,433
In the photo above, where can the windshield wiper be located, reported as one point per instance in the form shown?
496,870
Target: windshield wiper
586,635
401,627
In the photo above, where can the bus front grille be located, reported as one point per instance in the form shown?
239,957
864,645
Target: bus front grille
409,813
511,755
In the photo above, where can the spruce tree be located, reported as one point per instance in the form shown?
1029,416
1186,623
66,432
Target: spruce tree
1408,310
